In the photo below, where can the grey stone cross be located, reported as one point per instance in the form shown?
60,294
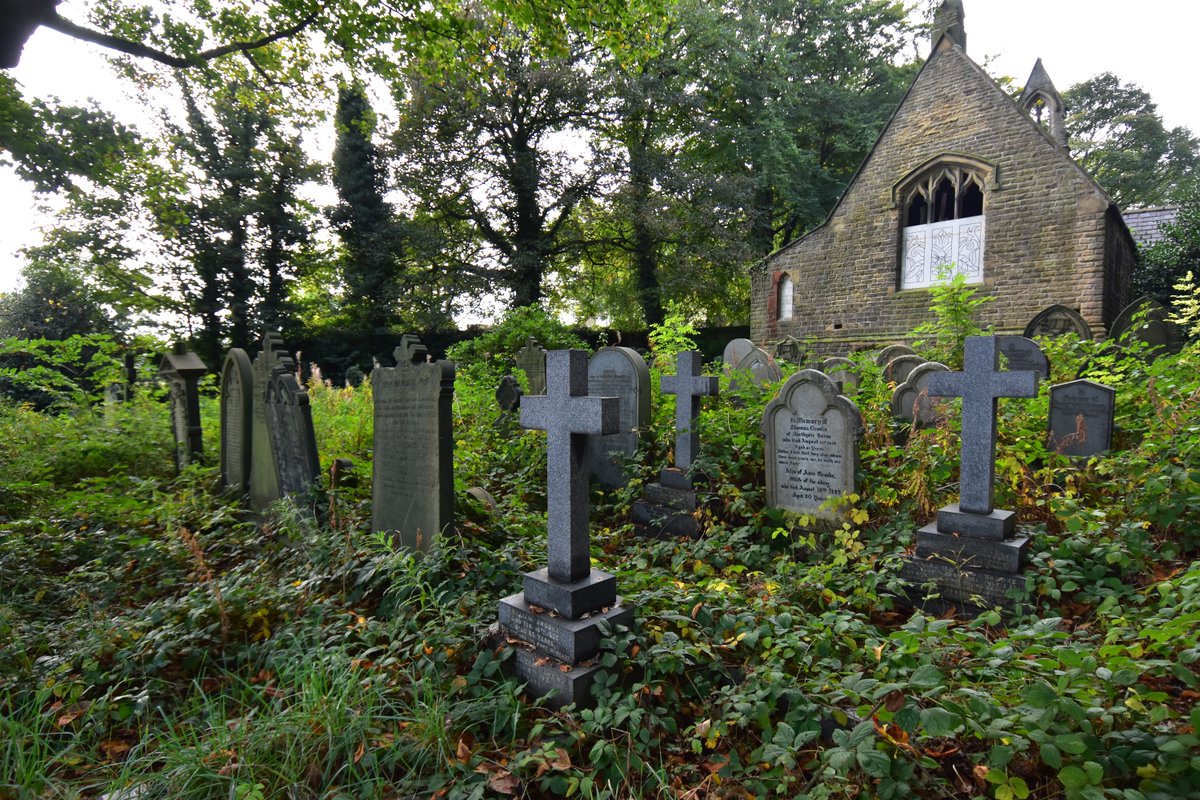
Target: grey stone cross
568,415
688,386
980,385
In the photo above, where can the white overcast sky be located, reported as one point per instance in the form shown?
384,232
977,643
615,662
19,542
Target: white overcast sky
1149,42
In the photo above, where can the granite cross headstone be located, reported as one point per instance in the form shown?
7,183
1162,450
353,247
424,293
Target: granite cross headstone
182,370
412,485
622,373
531,359
1081,417
688,386
237,409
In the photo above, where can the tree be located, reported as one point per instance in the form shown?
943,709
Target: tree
1118,136
1168,260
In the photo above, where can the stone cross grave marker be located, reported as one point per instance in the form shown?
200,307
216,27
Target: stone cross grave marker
893,351
911,400
412,484
531,359
237,409
843,372
1021,353
622,373
568,585
182,370
688,386
980,385
1081,417
811,435
264,482
290,431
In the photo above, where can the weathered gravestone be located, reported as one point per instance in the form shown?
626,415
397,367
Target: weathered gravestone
1081,418
893,351
1058,320
293,443
264,481
508,395
237,410
580,598
670,504
811,451
1145,320
899,367
412,489
758,367
531,359
1024,355
621,373
790,350
973,552
735,351
911,399
182,370
843,372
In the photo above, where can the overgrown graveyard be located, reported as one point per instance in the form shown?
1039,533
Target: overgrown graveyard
158,639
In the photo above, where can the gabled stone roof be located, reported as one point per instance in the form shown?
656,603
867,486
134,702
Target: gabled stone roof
1145,224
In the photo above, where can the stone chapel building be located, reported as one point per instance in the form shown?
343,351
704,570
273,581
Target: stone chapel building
962,178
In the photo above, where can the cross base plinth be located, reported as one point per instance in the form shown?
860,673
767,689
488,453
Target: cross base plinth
970,574
669,508
1007,555
999,524
548,680
571,600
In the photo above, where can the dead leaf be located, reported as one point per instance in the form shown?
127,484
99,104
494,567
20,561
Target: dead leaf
466,744
114,748
358,754
72,713
541,662
564,667
503,782
562,759
894,701
696,609
536,609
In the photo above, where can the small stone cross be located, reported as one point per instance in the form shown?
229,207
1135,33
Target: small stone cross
980,385
688,386
568,415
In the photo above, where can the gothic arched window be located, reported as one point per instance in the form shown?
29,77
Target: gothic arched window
942,212
785,297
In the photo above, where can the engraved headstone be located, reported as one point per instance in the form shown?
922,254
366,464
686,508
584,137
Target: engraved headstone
290,432
264,482
790,350
893,351
843,372
531,359
911,399
1056,321
618,372
898,368
412,488
237,409
1145,320
580,597
811,452
182,371
1081,418
1024,354
735,351
759,367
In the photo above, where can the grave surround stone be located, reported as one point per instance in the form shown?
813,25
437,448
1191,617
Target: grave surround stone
237,411
182,371
293,443
412,489
559,613
622,373
531,359
1081,418
1023,354
811,434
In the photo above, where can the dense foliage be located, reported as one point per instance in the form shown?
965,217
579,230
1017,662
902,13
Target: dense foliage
155,635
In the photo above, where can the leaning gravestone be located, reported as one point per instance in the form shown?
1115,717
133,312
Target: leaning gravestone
790,350
618,372
1081,418
812,435
669,506
182,371
290,432
1022,354
531,359
899,367
1056,321
893,351
264,482
237,409
1145,320
735,351
973,552
412,486
911,400
843,372
558,617
759,367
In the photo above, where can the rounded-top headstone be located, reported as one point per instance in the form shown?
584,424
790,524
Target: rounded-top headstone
912,401
735,351
761,368
1056,321
237,410
1145,320
893,351
899,367
508,394
1022,353
843,372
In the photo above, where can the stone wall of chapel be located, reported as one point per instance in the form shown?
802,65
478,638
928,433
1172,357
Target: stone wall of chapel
1049,235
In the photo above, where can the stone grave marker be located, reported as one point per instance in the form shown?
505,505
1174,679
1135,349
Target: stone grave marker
911,399
843,372
811,451
579,597
735,351
1081,418
531,359
670,504
790,350
622,373
412,488
1056,321
182,370
508,395
290,431
1022,354
264,482
893,351
759,367
237,410
899,367
1160,334
973,552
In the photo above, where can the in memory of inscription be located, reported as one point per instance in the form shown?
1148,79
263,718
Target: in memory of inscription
412,486
811,435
